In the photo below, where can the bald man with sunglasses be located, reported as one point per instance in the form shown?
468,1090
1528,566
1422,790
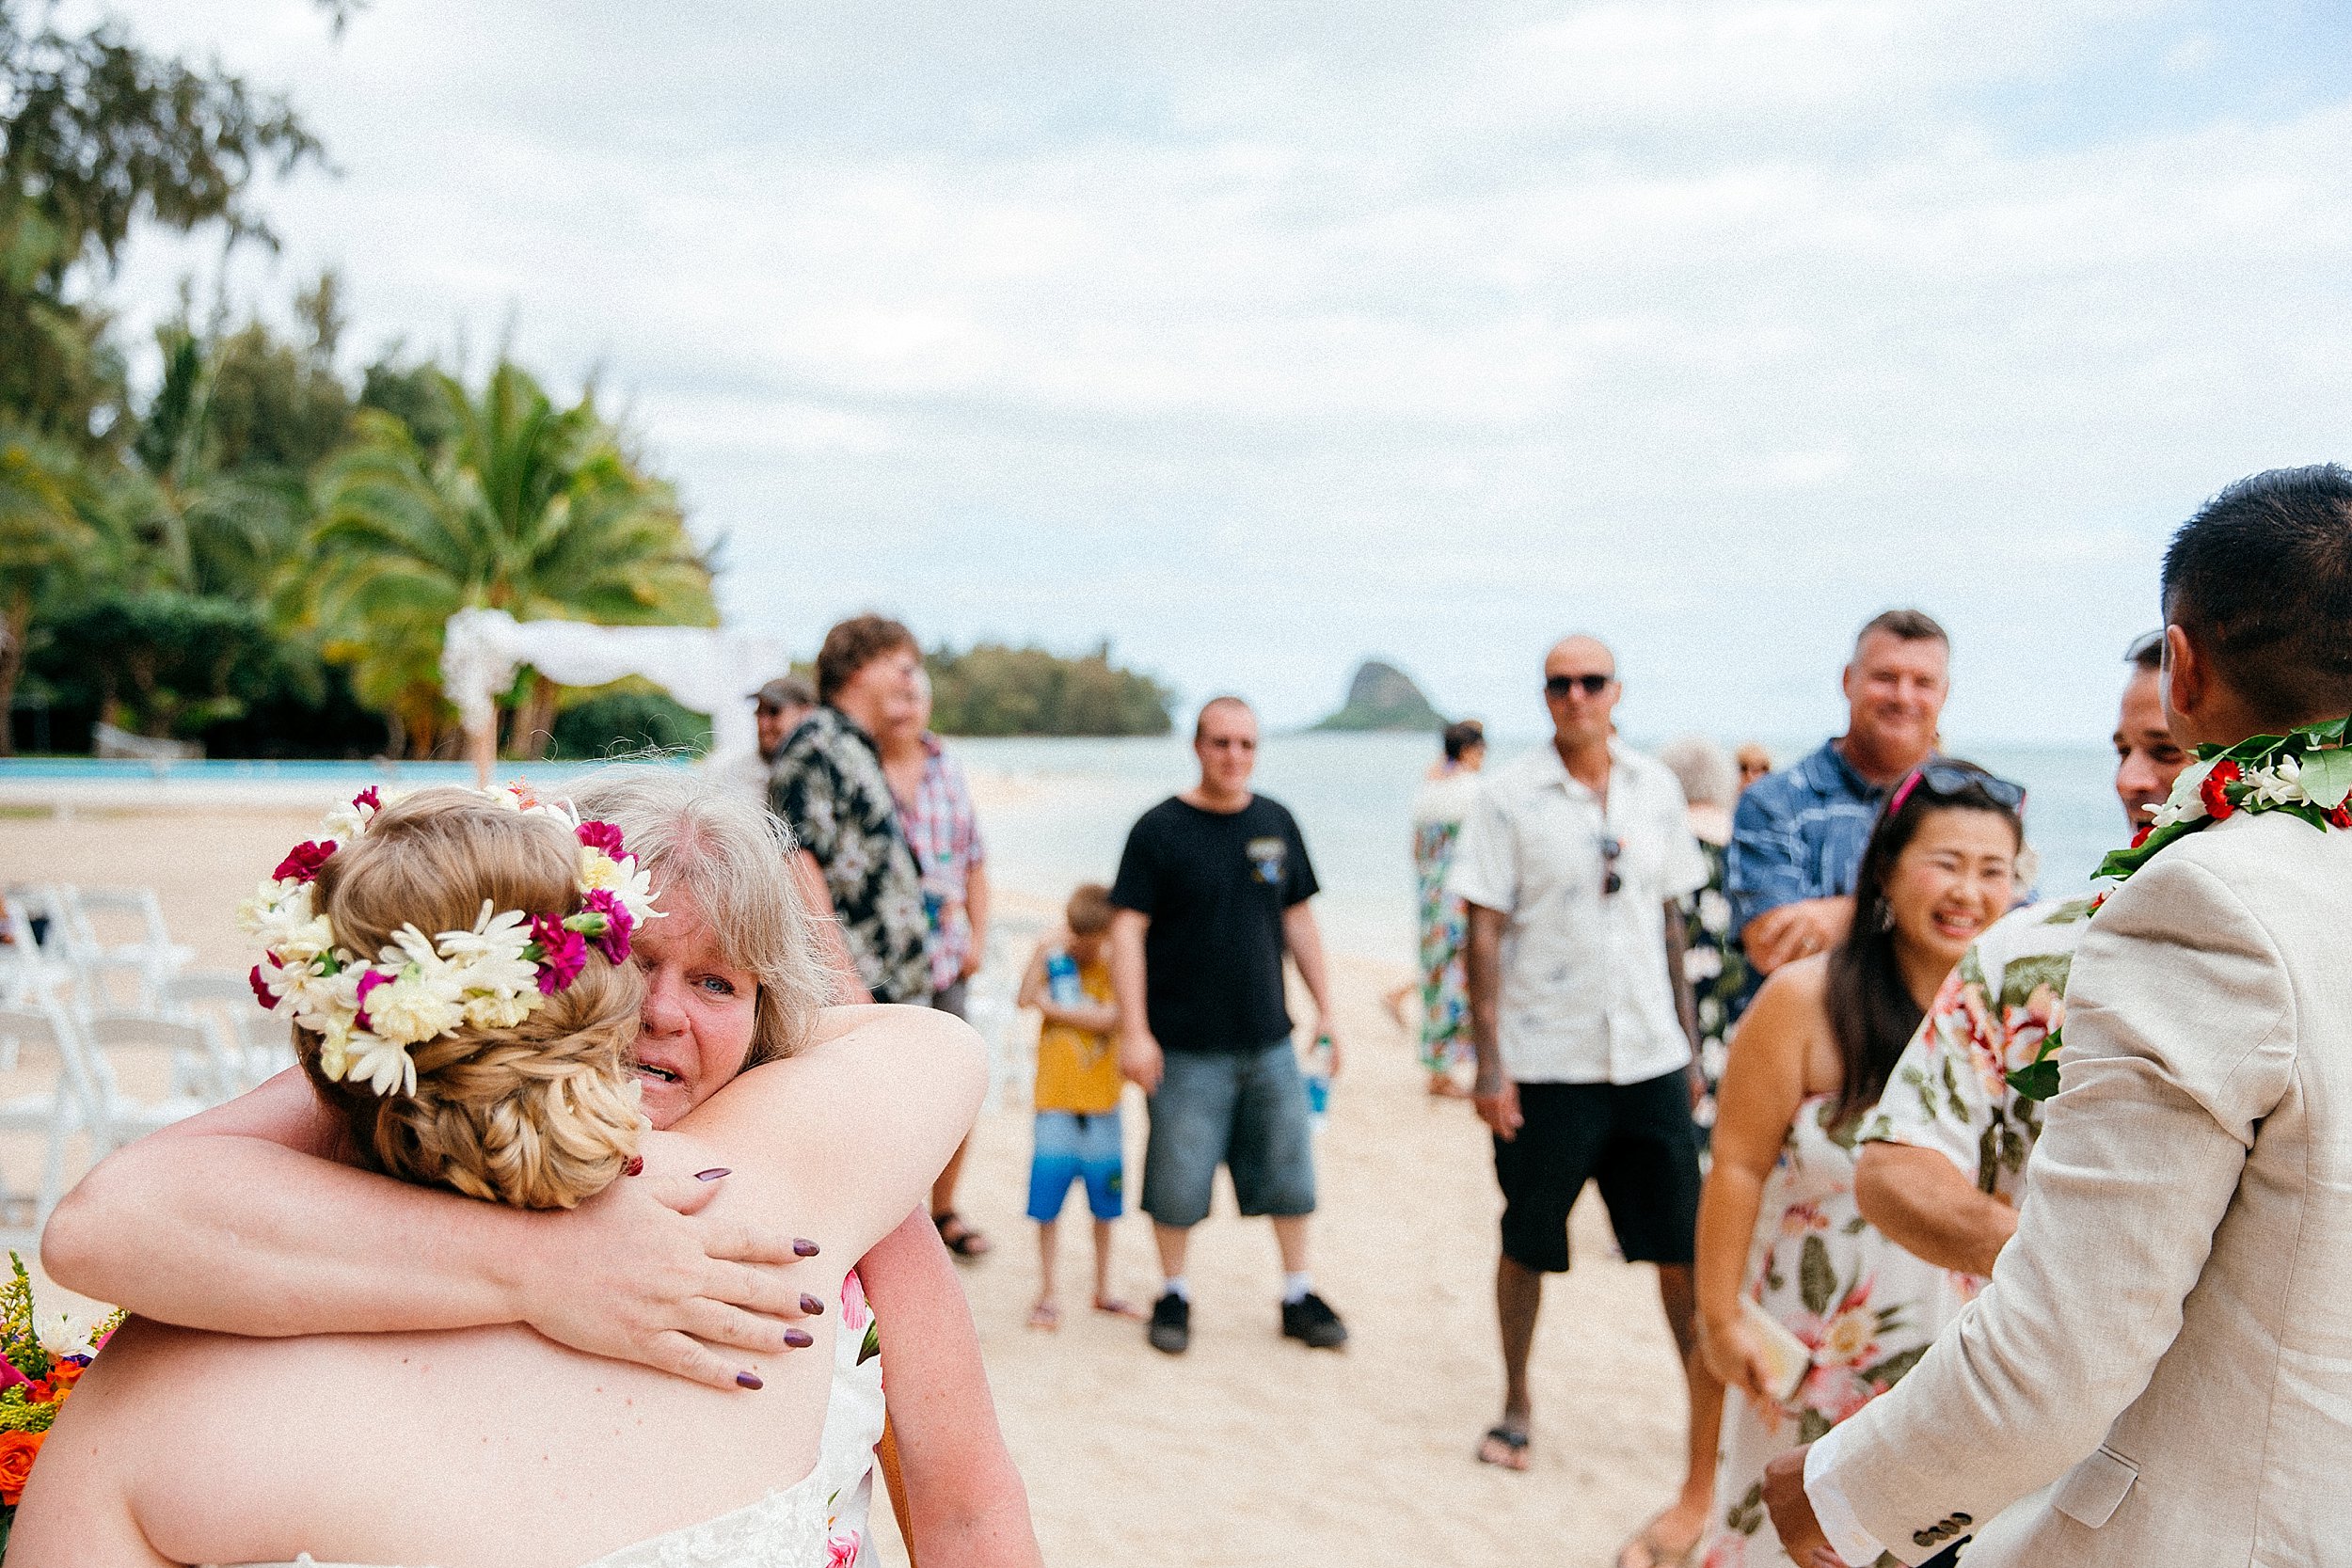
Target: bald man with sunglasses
1571,862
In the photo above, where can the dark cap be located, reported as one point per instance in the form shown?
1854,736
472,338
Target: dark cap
786,692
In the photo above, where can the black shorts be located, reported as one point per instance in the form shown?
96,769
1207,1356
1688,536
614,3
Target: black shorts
1635,1139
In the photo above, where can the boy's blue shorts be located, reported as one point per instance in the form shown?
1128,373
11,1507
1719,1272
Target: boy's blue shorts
1073,1147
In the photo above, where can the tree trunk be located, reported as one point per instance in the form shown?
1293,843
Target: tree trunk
539,719
18,626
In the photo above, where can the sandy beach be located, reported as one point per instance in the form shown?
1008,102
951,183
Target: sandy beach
1250,1449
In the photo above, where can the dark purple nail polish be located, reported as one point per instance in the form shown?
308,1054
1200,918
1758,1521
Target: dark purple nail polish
799,1339
748,1380
712,1174
810,1304
804,1248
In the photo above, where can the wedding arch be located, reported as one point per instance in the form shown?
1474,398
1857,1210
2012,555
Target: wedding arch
712,672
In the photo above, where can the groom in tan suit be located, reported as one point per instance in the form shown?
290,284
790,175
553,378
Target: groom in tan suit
2162,1367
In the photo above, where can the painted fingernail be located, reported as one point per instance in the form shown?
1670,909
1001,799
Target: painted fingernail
799,1339
810,1304
748,1380
804,1248
712,1174
636,1165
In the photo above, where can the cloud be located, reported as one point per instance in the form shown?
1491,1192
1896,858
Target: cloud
1257,340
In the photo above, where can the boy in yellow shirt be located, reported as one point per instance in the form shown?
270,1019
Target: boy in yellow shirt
1078,1134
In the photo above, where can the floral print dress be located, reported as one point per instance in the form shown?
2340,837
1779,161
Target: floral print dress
1865,1309
1437,812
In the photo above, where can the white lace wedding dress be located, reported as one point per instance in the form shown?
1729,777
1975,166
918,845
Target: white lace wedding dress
818,1522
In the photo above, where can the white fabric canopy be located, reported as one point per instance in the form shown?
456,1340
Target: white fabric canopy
710,672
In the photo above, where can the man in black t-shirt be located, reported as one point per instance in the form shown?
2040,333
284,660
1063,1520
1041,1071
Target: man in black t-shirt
1212,890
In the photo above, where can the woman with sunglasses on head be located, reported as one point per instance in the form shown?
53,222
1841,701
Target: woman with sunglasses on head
1778,1226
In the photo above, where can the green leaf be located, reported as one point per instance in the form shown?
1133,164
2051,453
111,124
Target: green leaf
2036,1081
2254,746
2326,777
1890,1372
1817,1281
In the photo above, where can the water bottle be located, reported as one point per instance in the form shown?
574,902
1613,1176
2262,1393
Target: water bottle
1319,1079
1062,980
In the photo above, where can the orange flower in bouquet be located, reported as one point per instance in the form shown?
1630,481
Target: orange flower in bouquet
17,1451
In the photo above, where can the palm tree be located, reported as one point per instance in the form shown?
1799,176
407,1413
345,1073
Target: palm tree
528,508
43,536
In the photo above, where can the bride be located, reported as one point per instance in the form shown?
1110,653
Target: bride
509,1071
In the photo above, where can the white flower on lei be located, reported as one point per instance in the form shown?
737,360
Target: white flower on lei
284,914
499,984
2186,803
346,824
2279,784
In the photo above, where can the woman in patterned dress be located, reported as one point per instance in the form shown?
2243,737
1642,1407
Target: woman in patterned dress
1443,801
1717,968
1777,1222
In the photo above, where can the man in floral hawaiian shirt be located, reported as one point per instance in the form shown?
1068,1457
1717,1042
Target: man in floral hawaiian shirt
828,787
1943,1163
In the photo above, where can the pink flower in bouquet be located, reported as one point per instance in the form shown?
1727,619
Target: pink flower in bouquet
303,861
561,954
602,835
9,1377
618,923
855,1314
842,1548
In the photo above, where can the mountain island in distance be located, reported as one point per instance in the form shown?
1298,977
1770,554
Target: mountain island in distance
1383,697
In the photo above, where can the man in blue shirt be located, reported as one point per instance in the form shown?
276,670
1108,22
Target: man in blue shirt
1797,838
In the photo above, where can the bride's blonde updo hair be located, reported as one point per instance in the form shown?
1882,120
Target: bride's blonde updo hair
539,1115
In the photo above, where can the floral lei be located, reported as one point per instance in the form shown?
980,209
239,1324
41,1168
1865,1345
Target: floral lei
367,1013
2306,772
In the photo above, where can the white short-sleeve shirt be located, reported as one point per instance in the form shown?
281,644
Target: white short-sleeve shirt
1586,998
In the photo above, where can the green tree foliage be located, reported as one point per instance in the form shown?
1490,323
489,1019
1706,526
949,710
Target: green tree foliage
993,689
97,135
525,507
45,540
615,723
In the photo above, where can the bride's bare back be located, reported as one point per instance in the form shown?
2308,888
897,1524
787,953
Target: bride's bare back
494,1447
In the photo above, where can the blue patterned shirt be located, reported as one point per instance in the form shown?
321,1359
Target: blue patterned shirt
1797,833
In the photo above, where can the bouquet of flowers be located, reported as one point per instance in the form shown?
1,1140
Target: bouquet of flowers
37,1373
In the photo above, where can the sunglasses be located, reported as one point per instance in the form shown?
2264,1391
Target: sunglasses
1610,881
2142,646
1946,780
1593,686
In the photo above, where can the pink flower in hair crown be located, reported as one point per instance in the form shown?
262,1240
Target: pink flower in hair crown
612,941
602,835
369,980
560,953
302,862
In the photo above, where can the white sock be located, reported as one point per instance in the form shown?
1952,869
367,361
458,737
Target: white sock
1295,1286
1177,1287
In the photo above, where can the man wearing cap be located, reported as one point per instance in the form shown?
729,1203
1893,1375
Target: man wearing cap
778,708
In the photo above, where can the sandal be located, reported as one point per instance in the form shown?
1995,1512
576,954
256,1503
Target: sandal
1513,1452
961,1239
1656,1552
1118,1308
1046,1315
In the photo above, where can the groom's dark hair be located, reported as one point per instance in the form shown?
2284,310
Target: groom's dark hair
2262,578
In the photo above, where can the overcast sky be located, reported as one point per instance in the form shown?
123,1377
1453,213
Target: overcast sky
1262,338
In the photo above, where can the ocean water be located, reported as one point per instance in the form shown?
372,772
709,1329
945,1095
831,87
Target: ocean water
1057,812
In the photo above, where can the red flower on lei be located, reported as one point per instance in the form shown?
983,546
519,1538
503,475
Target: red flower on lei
369,980
618,923
562,953
2215,792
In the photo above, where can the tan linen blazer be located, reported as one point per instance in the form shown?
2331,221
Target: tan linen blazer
2164,1357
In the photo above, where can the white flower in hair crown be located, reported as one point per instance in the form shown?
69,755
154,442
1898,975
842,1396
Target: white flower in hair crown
368,1012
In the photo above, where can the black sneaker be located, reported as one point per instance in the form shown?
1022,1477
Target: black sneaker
1171,1324
1311,1317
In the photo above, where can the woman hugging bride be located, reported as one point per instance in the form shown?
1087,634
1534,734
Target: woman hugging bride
525,1015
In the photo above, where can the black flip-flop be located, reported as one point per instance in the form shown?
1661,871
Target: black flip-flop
1514,1441
966,1242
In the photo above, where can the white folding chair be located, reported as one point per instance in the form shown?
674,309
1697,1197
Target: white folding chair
56,1113
259,1044
149,955
26,972
153,1048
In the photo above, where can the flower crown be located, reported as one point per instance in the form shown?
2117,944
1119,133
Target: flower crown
368,1012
